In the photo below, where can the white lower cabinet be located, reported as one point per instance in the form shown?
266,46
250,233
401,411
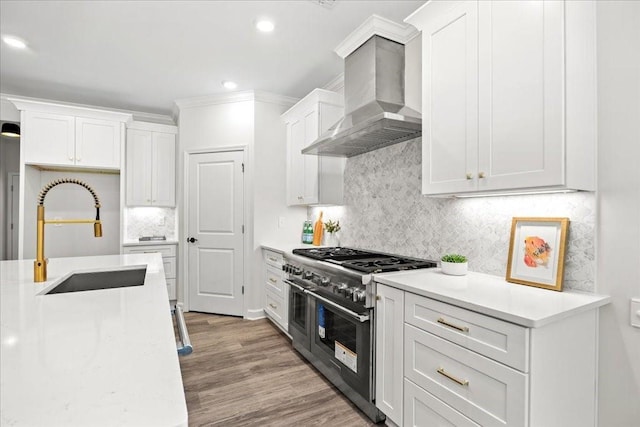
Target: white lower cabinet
169,261
484,390
276,290
389,351
422,409
438,364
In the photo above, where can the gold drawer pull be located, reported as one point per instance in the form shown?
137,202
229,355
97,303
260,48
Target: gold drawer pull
465,383
272,280
451,325
273,306
273,259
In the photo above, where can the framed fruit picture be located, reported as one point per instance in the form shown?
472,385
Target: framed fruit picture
536,252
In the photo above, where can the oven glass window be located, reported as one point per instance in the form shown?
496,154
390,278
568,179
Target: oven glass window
299,309
335,328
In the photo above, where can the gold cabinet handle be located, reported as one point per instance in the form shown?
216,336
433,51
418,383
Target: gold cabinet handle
451,325
464,383
273,306
273,259
272,280
378,298
469,176
481,175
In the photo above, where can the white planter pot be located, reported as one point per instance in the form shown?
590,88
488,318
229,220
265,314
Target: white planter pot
331,239
454,268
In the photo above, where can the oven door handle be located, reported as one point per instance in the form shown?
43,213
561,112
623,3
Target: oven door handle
300,288
359,317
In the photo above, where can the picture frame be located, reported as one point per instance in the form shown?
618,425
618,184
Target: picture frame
536,252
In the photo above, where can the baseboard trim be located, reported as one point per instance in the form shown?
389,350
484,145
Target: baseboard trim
255,314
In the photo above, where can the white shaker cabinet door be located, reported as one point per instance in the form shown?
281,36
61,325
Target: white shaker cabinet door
163,178
138,167
521,94
389,352
48,138
98,143
450,99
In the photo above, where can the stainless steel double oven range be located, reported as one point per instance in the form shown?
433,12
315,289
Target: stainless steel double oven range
332,314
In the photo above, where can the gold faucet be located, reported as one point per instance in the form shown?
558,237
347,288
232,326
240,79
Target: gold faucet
40,264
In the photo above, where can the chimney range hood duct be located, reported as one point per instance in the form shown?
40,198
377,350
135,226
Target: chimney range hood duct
375,114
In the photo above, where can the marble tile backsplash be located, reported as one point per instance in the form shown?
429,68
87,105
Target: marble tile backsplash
149,221
384,210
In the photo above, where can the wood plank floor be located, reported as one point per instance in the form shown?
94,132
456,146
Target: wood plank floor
246,373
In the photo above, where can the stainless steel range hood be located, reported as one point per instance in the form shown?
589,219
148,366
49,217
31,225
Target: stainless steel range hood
375,114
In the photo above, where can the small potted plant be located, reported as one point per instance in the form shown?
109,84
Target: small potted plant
331,238
454,264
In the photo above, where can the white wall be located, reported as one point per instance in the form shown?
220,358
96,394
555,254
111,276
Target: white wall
270,190
252,121
69,201
9,162
619,209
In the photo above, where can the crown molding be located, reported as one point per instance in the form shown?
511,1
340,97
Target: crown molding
47,105
160,119
227,98
376,25
336,84
316,96
153,127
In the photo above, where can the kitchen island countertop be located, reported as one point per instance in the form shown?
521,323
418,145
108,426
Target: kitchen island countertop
93,358
491,295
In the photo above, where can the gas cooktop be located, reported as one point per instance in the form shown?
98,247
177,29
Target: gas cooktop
364,261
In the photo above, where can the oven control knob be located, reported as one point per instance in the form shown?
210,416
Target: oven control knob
349,292
297,271
342,287
359,295
307,275
324,281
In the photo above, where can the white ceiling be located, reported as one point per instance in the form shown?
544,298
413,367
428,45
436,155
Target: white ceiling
143,55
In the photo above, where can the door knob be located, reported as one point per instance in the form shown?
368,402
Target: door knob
191,239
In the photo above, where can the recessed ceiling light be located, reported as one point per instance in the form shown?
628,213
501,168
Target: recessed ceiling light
229,84
14,42
265,26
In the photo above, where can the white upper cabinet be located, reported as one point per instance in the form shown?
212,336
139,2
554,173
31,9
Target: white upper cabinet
98,143
313,179
508,96
48,138
151,165
67,136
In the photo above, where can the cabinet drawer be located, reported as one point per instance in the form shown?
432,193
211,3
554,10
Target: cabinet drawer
486,391
171,289
169,267
165,250
422,409
273,280
496,339
272,258
276,309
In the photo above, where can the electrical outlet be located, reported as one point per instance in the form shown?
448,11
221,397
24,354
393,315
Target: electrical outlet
635,312
281,222
161,220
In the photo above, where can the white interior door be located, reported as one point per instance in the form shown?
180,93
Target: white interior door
215,201
14,217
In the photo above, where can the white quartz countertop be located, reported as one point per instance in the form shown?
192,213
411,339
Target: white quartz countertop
149,242
287,248
95,358
494,296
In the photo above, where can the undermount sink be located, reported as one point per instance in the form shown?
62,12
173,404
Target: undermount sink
103,279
